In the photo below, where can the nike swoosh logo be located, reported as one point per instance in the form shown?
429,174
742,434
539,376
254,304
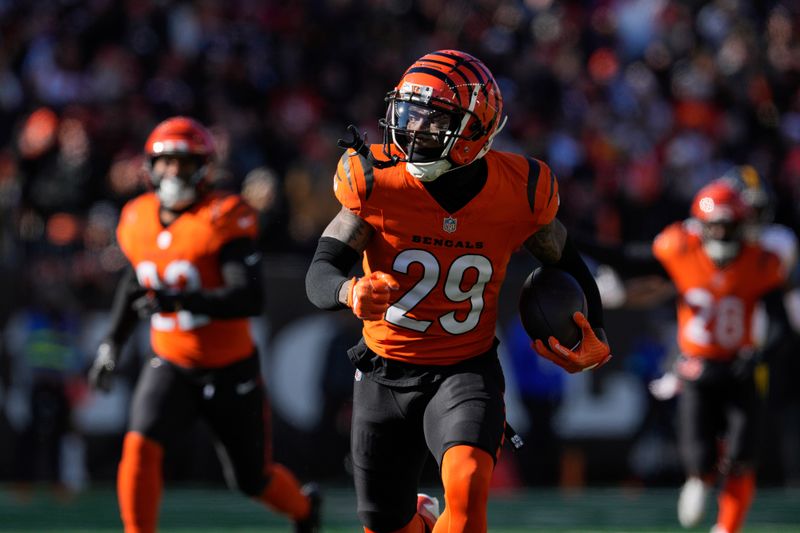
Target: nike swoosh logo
252,259
246,387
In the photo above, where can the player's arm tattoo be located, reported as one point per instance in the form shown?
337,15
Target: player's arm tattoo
355,232
548,243
351,229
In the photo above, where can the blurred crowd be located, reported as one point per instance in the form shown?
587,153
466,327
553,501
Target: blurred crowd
635,104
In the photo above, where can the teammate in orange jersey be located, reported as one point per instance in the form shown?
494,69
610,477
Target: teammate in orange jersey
195,272
435,215
719,276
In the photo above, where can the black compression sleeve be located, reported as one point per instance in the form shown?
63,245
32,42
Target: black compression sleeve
572,262
329,269
630,259
241,294
123,318
778,325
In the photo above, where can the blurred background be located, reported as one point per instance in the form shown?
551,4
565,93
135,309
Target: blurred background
635,104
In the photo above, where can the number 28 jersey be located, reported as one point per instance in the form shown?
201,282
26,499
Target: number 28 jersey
185,256
715,304
450,266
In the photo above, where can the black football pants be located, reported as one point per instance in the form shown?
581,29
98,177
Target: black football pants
169,399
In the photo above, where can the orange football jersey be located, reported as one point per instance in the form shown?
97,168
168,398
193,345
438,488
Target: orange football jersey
715,305
450,266
185,255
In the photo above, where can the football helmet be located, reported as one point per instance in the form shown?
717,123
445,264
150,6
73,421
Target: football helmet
755,192
723,215
180,136
444,112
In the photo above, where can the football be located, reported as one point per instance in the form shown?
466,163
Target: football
548,300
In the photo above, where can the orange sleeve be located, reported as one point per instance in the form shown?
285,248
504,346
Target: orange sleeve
233,219
130,217
774,275
670,241
542,192
348,182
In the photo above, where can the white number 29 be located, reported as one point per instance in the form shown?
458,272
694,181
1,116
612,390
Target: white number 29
398,313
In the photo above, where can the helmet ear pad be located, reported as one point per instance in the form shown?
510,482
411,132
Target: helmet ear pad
464,150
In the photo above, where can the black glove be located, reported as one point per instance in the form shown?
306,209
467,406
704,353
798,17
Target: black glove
156,301
102,369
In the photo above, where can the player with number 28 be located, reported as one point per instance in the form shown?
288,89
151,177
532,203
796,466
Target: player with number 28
720,275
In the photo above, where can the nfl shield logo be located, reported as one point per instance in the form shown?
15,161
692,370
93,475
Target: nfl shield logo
449,224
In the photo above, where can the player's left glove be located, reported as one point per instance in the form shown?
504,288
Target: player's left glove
592,352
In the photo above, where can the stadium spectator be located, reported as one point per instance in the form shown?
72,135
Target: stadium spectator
45,383
195,272
436,215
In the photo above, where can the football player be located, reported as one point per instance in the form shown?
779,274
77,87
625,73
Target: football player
719,276
195,271
434,215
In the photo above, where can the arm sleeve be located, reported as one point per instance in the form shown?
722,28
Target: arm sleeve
333,260
572,262
241,294
778,326
630,260
123,318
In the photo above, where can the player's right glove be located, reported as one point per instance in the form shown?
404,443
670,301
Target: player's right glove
592,352
102,369
369,296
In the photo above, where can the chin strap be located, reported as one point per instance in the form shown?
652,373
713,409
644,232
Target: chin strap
359,144
426,172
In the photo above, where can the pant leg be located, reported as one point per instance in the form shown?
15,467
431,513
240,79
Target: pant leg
388,451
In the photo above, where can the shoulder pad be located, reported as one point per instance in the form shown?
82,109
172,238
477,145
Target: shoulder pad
232,217
674,239
354,180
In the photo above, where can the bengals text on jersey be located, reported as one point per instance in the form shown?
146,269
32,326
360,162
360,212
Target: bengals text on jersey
184,256
450,266
715,304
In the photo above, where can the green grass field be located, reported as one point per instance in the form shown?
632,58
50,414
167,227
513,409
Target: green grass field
218,511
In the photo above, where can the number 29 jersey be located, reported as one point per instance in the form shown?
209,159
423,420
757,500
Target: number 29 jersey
185,256
715,304
450,266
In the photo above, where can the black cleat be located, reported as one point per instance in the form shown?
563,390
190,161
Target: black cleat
311,524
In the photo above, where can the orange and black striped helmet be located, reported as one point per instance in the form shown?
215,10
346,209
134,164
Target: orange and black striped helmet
447,106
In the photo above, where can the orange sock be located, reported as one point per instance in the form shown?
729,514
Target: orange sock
735,500
139,483
283,493
466,475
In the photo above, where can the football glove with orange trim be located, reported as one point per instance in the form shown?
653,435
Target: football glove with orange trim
592,352
369,296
